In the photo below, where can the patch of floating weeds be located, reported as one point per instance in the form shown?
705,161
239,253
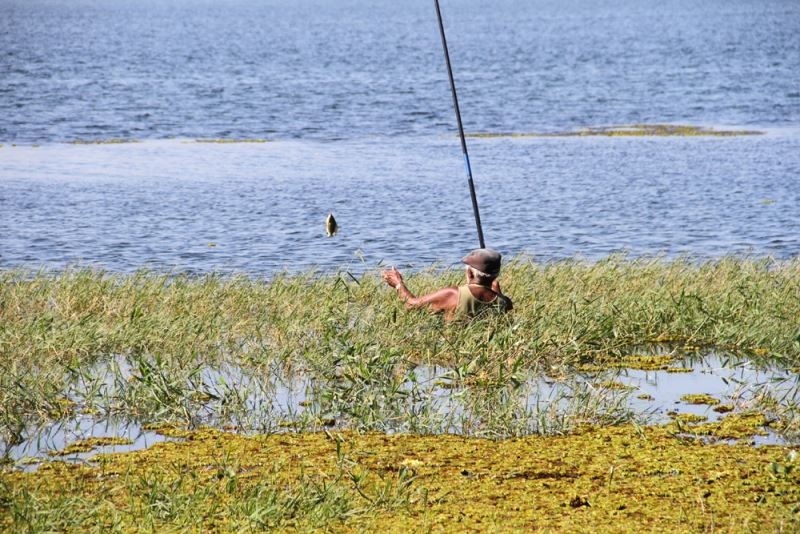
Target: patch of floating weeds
632,130
687,417
679,369
644,362
723,408
734,426
645,396
225,141
612,384
172,430
344,481
112,141
89,444
700,398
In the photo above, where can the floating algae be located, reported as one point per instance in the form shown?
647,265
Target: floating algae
86,445
687,417
679,369
227,141
613,384
731,427
643,362
700,398
618,478
631,130
112,141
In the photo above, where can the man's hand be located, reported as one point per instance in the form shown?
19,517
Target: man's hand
392,277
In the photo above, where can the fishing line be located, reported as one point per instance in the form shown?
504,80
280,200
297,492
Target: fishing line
460,128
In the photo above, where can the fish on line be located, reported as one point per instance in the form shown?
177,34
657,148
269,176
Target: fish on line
330,225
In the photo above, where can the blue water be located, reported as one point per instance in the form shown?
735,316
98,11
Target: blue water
357,68
353,96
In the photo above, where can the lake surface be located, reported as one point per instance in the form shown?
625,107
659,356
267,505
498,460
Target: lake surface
353,96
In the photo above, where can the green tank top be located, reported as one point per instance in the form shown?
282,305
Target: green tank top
469,306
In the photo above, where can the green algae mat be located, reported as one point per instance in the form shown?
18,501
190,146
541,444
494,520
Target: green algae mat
614,479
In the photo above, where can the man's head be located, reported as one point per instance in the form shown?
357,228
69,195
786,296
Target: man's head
484,263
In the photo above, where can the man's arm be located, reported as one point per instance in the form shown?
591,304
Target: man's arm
443,300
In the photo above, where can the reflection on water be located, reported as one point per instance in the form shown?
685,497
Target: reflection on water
427,399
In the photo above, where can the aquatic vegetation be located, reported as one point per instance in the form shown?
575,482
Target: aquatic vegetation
86,445
616,385
781,406
645,362
175,353
226,141
628,477
171,348
111,141
687,417
733,426
630,130
700,398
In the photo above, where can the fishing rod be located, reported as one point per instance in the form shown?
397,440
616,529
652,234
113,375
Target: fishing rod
460,128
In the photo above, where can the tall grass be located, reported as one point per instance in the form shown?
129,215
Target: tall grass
352,336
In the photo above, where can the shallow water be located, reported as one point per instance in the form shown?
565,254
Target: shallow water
38,442
430,400
727,379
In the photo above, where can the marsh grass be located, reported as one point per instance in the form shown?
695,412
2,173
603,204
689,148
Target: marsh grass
156,336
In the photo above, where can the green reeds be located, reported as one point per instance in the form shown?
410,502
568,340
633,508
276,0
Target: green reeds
138,345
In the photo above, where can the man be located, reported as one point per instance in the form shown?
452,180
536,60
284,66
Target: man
480,294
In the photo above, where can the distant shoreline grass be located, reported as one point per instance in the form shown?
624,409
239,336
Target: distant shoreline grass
618,130
628,130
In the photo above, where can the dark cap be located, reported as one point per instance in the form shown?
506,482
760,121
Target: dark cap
485,260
